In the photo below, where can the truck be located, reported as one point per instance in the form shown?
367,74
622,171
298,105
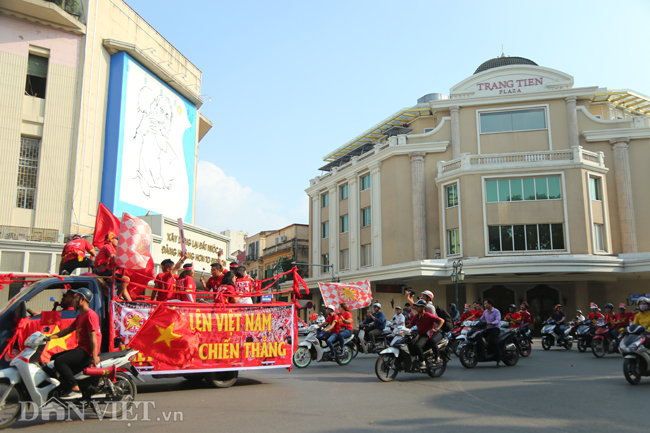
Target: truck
232,337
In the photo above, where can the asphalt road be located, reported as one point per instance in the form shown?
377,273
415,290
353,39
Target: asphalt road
557,390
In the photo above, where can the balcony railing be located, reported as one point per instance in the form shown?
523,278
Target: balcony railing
469,162
16,233
73,7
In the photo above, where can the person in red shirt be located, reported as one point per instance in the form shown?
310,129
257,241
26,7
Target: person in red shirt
166,280
216,270
185,283
89,338
243,284
333,326
513,316
525,317
625,318
345,319
477,312
73,255
226,289
425,322
467,314
610,316
105,265
595,316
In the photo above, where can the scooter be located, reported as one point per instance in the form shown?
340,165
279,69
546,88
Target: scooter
585,332
550,337
475,349
28,379
458,336
381,341
603,342
636,356
313,348
397,356
524,339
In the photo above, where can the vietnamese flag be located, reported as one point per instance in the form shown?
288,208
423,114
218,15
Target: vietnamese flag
105,223
50,318
166,336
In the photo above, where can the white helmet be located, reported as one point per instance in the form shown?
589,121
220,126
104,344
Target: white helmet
428,293
331,307
377,304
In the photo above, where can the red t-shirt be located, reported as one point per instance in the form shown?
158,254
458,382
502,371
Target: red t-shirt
185,284
347,316
626,319
104,257
244,285
595,317
213,282
334,318
525,317
424,322
465,316
84,324
512,317
166,282
75,248
222,293
612,318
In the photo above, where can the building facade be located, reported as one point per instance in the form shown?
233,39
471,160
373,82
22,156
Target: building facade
535,184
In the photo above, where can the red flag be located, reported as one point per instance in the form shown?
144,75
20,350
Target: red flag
104,223
50,318
166,336
133,245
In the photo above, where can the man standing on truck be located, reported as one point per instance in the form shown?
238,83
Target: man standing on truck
166,280
105,265
89,339
73,255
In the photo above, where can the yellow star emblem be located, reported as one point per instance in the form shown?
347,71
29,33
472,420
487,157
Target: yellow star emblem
58,342
167,335
133,321
349,294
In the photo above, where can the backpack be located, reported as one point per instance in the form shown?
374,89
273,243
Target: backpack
448,326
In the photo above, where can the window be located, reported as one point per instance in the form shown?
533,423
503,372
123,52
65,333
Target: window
516,120
325,261
594,188
427,130
36,76
365,217
345,259
598,234
452,195
277,240
453,242
366,255
27,171
344,191
365,182
325,200
529,237
345,224
325,229
528,188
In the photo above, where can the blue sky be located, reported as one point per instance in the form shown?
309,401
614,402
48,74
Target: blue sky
291,81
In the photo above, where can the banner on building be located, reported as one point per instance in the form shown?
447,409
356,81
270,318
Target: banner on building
355,295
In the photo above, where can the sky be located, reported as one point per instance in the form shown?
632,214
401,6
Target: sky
290,81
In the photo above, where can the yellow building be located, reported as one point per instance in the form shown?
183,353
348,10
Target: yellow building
535,184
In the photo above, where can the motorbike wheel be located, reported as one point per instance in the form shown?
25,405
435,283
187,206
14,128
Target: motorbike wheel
222,379
525,348
631,371
355,349
468,357
568,345
546,344
302,357
347,355
386,367
598,348
511,358
11,409
582,346
441,370
113,408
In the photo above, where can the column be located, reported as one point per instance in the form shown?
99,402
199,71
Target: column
624,194
375,203
419,214
353,219
334,227
315,200
572,117
454,110
581,295
471,295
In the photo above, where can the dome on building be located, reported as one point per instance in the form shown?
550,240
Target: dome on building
497,62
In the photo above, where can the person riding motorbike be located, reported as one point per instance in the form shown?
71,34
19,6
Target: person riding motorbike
525,317
595,315
345,319
477,312
611,318
425,322
579,317
434,336
559,317
398,318
625,318
467,314
454,313
377,322
643,317
333,327
89,338
426,295
492,317
513,316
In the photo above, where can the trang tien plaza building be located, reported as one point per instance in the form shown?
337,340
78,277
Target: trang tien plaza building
536,185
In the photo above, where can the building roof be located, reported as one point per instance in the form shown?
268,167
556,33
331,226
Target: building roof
497,62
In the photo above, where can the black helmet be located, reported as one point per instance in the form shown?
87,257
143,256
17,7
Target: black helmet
86,293
420,303
608,305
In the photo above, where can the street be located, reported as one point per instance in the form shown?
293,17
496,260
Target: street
559,390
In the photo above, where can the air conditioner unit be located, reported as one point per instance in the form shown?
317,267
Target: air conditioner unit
283,238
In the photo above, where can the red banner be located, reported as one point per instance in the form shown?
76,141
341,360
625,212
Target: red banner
55,323
230,337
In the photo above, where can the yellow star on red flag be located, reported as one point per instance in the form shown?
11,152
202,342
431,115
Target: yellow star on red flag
167,335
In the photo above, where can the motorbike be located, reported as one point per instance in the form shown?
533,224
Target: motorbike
636,356
316,349
28,379
585,332
524,339
458,336
475,349
603,342
550,338
381,341
397,357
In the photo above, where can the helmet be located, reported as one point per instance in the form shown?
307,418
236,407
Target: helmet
420,303
398,308
428,293
608,305
86,293
557,306
512,306
331,307
377,304
644,299
593,306
579,311
622,305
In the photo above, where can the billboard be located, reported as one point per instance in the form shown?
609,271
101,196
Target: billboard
150,144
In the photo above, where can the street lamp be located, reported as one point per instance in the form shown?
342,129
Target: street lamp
457,275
